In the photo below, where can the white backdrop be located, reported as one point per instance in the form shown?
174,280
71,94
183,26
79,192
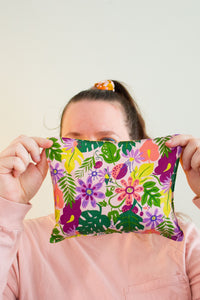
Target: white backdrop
51,50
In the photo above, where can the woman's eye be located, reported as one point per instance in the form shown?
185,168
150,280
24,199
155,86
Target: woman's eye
108,139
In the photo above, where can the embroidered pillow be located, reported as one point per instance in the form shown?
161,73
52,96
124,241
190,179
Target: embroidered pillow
106,187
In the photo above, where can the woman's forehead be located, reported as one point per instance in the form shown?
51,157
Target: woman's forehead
93,111
94,117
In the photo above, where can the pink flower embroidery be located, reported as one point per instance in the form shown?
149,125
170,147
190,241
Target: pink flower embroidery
130,191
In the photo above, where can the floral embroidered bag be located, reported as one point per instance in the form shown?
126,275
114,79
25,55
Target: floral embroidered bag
113,187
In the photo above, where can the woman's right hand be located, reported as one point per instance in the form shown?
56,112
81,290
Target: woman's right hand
20,179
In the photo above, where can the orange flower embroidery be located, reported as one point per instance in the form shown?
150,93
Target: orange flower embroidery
148,231
58,197
150,151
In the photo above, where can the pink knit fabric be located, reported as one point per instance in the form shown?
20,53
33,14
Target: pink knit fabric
117,266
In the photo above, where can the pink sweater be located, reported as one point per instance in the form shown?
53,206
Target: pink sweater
116,266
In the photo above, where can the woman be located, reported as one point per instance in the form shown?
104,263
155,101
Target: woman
127,266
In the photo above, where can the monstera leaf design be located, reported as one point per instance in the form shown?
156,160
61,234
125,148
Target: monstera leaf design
129,221
91,222
151,194
126,146
87,146
72,157
110,152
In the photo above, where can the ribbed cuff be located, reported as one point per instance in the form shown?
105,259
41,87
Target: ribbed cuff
12,214
196,201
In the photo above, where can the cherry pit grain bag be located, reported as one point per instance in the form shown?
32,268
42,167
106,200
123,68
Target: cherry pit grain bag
113,187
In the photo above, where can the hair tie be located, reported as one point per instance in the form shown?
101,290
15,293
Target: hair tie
105,85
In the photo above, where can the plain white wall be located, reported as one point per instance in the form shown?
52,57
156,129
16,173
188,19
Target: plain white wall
50,50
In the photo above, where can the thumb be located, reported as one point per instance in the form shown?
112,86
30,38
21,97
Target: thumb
42,166
34,176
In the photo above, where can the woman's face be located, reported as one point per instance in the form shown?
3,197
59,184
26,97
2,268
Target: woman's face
95,121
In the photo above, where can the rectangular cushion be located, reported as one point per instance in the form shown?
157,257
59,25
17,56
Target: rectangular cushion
108,187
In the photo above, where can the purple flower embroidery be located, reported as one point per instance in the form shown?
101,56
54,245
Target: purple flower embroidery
70,216
133,156
178,233
89,192
165,166
56,173
167,185
105,175
153,219
69,144
94,174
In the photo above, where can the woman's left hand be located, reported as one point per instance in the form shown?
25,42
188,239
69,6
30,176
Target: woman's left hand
190,159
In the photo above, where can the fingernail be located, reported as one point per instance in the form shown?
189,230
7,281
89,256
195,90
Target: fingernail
169,142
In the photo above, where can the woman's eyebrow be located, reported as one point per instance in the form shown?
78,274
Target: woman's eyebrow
106,132
74,134
98,133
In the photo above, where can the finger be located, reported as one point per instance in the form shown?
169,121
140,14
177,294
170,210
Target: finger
31,146
43,165
195,161
22,147
22,153
12,164
189,152
43,142
179,140
41,168
190,146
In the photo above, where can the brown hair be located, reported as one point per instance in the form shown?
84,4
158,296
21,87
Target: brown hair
134,120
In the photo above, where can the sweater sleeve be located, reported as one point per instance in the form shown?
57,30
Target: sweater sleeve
11,227
192,254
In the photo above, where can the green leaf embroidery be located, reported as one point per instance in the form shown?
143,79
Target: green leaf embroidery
55,151
68,187
113,215
174,174
151,195
129,221
91,221
166,228
164,150
110,152
103,203
87,165
109,192
109,230
56,236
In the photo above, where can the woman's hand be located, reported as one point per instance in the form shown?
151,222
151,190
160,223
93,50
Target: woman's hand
20,178
190,159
